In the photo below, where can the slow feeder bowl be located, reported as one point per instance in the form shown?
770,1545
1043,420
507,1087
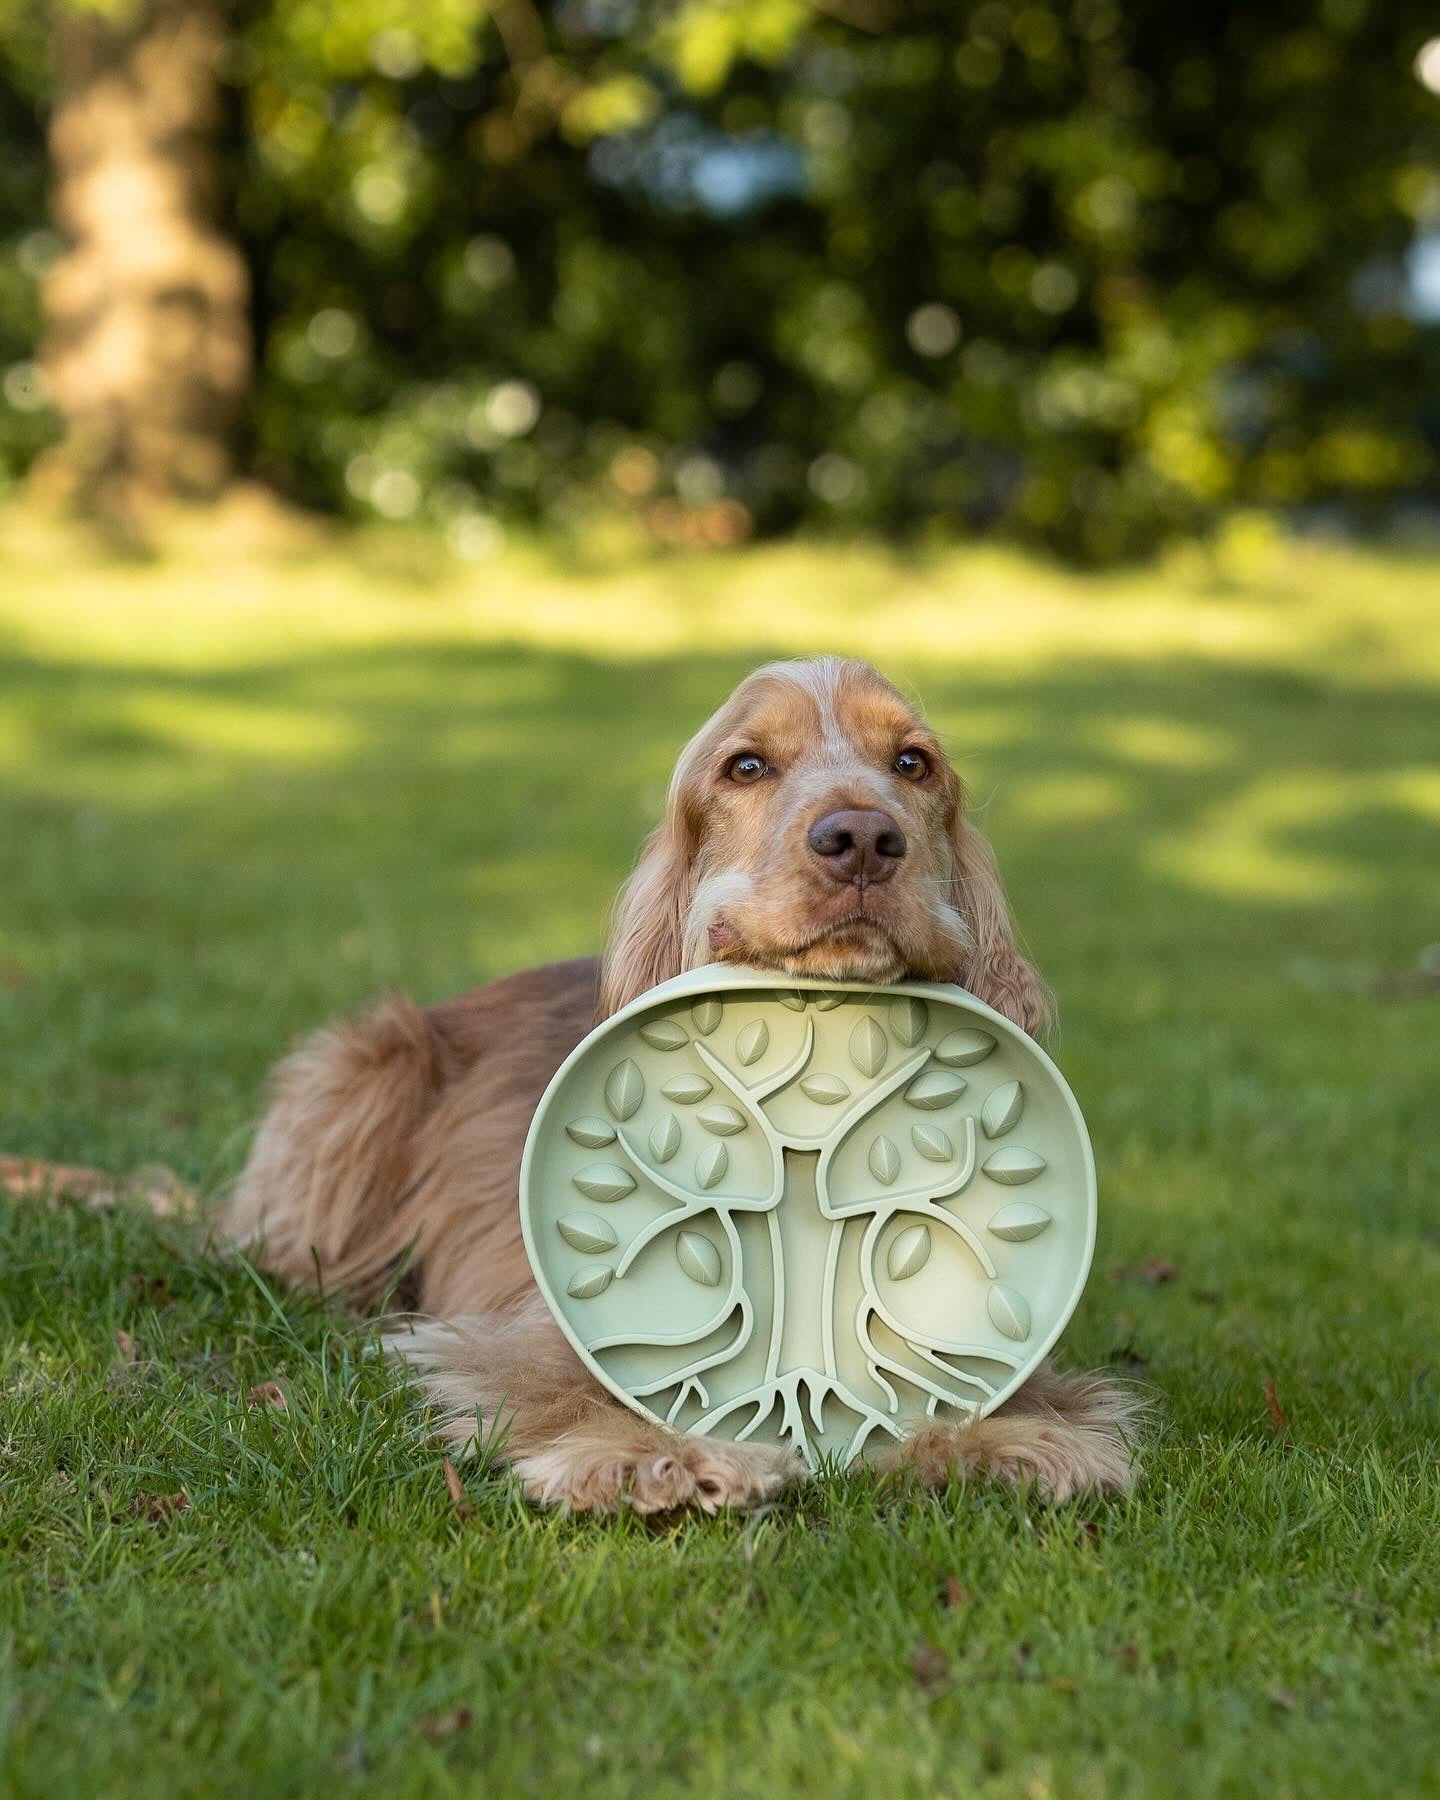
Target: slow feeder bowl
808,1212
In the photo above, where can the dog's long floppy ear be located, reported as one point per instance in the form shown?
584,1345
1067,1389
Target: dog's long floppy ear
647,934
994,970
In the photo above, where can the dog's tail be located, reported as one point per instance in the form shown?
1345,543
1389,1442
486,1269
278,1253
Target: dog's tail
322,1193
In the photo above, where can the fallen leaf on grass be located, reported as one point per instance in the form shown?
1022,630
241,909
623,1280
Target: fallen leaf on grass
268,1393
440,1726
1279,1418
27,1178
928,1665
956,1596
161,1189
455,1487
157,1507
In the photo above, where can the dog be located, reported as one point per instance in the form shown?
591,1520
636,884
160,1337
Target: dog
813,826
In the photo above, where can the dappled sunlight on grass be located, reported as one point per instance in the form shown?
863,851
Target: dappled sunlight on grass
140,743
1256,842
1071,799
238,728
1163,743
1310,607
309,780
234,807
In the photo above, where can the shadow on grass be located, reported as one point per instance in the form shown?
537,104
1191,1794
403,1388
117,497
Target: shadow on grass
195,868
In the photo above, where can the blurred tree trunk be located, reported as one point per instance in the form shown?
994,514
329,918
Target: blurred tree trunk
147,334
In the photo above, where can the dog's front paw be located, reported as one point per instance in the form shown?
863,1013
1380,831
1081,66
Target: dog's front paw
1056,1461
738,1475
1071,1435
583,1473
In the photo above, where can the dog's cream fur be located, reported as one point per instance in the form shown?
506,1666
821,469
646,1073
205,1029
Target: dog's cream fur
391,1149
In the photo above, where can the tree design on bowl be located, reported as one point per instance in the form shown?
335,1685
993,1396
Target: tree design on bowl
806,1212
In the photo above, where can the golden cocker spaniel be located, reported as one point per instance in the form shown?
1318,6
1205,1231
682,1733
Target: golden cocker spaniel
813,826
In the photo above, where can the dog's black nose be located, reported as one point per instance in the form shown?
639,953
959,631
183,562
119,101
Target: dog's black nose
858,845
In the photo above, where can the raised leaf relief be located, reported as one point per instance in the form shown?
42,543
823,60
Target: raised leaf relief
1009,1311
908,1017
685,1090
1012,1166
710,1166
909,1253
935,1088
1002,1109
706,1015
587,1232
604,1181
1020,1220
932,1143
724,1121
852,1194
884,1160
664,1034
624,1090
698,1257
961,1048
665,1138
593,1134
868,1047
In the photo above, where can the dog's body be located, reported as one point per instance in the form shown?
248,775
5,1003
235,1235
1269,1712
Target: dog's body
393,1143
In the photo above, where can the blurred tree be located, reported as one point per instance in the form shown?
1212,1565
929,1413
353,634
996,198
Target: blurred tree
146,314
1081,273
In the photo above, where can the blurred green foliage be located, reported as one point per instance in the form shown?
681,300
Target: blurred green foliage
27,247
1082,273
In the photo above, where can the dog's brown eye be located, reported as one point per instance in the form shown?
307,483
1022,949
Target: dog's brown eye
912,764
748,767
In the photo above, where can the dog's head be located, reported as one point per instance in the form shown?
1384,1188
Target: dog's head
815,826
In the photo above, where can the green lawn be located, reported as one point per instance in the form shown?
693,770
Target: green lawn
239,795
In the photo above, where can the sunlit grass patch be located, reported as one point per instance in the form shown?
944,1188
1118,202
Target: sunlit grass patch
1310,606
238,799
1255,840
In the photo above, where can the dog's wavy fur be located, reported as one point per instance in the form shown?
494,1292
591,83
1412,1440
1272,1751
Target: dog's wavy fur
390,1152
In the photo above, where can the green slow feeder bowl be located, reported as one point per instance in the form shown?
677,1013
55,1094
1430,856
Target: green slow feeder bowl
807,1212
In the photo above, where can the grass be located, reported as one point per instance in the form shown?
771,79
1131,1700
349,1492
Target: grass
242,794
